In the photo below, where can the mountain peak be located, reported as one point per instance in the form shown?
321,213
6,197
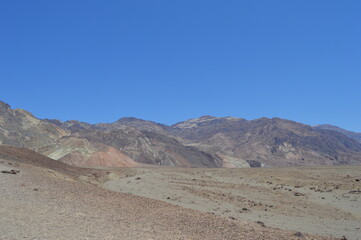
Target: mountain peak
4,106
129,119
206,117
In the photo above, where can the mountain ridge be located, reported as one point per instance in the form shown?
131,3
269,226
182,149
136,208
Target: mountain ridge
350,134
206,141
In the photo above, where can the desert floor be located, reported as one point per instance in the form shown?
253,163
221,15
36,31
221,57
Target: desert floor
41,203
316,200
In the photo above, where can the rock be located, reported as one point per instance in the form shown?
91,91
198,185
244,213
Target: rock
298,194
261,223
299,234
11,171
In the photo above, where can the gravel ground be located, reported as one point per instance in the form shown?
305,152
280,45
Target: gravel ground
315,200
39,203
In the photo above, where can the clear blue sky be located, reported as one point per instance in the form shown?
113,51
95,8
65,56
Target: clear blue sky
169,60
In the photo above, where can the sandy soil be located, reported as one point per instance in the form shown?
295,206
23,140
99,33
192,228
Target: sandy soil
39,203
317,200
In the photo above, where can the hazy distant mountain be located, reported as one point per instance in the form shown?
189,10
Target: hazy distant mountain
202,142
354,135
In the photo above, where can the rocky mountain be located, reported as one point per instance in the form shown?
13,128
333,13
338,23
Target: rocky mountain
350,134
84,144
202,142
20,128
81,152
151,148
269,142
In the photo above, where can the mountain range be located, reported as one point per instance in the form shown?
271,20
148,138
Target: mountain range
202,142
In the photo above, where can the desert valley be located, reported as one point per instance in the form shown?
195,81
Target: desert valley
204,178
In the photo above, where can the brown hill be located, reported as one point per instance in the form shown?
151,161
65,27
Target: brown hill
270,142
202,142
81,152
151,148
27,156
88,145
20,128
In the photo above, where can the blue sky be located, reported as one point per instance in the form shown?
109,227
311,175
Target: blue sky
168,61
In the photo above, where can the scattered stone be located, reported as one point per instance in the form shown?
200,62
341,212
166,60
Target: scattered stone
343,238
261,223
138,178
244,209
298,194
299,234
11,171
233,218
168,197
35,189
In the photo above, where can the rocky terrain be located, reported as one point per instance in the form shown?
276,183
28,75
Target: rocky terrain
46,199
317,200
20,128
83,144
260,142
44,177
270,142
354,135
207,141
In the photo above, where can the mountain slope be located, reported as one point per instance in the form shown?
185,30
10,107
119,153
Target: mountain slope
151,148
202,142
81,152
89,145
271,142
20,128
353,135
